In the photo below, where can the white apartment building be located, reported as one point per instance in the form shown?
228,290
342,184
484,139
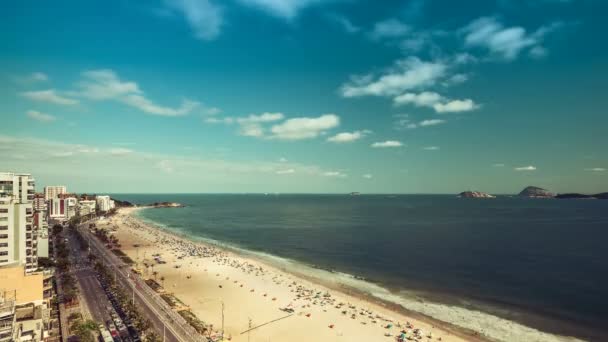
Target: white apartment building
18,236
104,203
62,209
53,191
87,207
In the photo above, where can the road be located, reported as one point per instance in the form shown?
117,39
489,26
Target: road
95,301
163,318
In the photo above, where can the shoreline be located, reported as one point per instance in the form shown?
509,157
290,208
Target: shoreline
440,328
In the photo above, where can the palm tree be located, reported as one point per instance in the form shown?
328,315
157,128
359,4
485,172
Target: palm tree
154,274
153,337
162,279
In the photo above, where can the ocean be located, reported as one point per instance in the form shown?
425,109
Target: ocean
474,262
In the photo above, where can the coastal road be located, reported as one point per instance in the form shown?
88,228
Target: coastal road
162,317
95,299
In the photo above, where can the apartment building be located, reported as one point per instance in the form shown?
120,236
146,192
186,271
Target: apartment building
54,191
104,203
18,236
24,310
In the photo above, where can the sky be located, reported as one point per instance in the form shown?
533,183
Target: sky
305,96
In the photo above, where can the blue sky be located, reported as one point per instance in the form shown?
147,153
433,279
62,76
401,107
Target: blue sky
417,96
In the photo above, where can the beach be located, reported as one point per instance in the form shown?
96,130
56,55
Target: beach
255,294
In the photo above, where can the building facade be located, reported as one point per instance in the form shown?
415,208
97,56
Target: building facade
87,207
104,203
18,235
54,191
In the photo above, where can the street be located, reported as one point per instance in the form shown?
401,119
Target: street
163,318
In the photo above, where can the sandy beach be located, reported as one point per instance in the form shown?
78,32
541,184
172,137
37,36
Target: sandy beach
253,293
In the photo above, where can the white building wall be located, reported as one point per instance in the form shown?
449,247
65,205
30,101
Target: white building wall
18,240
103,203
53,191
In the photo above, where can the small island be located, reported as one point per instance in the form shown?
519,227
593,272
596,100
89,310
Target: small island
166,205
536,192
475,194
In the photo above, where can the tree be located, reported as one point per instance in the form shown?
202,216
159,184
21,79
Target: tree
84,330
153,337
154,273
57,229
162,279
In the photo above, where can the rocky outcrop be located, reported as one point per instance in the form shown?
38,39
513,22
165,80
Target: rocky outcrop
536,192
475,194
166,205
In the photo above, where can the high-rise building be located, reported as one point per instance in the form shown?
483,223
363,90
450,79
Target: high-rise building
41,225
53,191
104,203
87,207
18,236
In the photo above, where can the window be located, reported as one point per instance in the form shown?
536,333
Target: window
3,227
4,253
3,244
3,211
3,236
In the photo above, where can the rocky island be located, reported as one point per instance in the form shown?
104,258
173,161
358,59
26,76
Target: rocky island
166,205
536,192
475,194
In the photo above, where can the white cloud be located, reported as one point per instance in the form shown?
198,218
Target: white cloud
526,168
264,117
431,148
455,106
86,149
283,160
165,166
334,174
227,120
407,74
145,105
506,42
538,52
424,99
205,17
346,137
435,101
285,172
120,151
38,77
62,154
388,143
304,128
49,95
286,9
390,28
368,176
105,84
431,122
39,116
456,79
251,130
345,23
498,165
596,169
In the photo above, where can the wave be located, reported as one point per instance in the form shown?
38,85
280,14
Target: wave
491,326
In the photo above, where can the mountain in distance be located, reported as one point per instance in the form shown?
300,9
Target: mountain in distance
536,192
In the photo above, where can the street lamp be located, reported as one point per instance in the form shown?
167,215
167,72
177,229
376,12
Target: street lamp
221,301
